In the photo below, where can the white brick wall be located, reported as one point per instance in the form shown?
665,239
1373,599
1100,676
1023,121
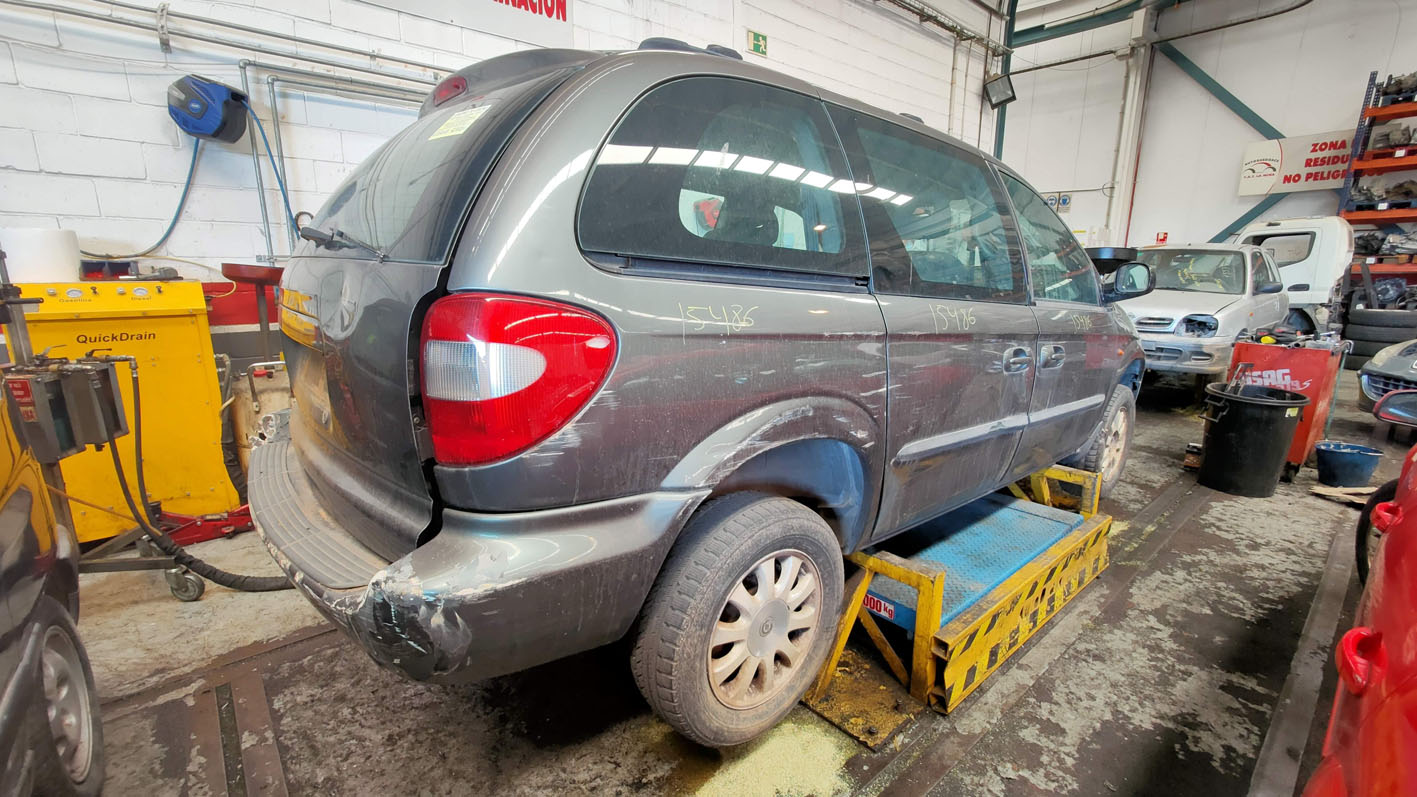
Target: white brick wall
86,143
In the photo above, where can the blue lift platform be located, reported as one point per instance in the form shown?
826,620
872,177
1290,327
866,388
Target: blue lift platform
970,587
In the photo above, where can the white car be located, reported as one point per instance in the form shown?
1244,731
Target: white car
1206,296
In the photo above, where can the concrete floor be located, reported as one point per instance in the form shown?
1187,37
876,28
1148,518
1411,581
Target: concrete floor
1160,678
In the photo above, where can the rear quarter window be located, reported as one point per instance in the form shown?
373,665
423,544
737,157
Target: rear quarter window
724,172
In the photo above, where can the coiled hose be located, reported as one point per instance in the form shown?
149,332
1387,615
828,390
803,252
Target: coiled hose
163,542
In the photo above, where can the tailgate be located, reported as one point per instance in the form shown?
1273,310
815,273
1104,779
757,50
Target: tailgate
348,346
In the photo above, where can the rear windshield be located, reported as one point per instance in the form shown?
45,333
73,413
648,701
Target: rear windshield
409,198
1197,270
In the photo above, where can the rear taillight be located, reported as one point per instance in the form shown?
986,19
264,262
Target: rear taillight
502,373
449,89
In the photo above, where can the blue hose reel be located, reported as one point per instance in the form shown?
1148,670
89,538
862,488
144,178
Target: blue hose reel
207,109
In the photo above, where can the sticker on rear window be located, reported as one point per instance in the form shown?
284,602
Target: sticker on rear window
458,123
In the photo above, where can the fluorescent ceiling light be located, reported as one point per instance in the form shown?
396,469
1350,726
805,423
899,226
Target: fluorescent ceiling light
716,160
621,153
752,165
786,171
673,156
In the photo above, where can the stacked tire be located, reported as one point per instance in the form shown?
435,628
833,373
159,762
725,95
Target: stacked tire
1374,330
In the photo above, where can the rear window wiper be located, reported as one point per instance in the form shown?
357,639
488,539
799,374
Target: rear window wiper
339,239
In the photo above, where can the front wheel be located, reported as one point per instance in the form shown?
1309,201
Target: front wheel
1367,538
740,619
1107,453
66,735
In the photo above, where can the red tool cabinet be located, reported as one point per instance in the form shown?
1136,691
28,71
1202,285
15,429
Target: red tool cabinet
1311,371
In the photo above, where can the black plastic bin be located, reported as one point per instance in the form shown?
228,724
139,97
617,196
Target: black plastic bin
1248,437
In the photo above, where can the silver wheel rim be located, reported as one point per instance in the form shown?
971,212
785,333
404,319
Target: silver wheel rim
67,707
764,630
1114,445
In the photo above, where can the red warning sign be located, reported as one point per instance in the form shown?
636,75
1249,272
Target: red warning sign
24,399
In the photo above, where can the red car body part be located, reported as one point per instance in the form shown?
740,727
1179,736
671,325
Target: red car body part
1371,746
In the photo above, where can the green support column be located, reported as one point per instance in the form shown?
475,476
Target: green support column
1004,65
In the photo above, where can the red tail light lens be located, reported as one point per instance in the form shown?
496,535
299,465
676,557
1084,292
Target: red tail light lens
503,373
449,89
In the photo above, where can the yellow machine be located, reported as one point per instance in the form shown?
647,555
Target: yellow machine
163,325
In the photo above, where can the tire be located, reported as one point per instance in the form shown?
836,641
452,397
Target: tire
1095,457
1300,321
716,557
1355,361
1365,529
1406,319
1379,334
1367,348
64,660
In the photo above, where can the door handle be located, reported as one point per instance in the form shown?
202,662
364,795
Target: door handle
1017,359
1054,355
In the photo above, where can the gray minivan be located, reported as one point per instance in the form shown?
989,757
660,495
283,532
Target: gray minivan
640,343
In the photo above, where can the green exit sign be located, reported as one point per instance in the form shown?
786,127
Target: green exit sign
757,43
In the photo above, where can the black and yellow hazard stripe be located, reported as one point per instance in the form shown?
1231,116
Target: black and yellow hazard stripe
972,647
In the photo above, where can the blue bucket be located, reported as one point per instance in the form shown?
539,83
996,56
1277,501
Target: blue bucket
1346,464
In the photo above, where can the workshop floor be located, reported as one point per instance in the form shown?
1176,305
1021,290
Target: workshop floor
1163,677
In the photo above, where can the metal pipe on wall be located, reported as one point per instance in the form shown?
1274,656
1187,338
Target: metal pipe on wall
217,23
270,257
954,69
272,80
244,46
1252,18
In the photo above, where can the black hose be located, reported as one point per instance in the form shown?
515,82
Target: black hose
138,438
163,542
180,556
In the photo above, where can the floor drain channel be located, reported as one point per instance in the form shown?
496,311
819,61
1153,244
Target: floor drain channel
230,742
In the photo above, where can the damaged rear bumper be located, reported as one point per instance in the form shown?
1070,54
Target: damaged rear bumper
490,594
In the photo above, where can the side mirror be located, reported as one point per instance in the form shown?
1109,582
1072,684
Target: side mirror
1130,281
1399,407
1269,287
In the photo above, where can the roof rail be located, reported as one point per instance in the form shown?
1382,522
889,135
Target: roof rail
679,45
911,116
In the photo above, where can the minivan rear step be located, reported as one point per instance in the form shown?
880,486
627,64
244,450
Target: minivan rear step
291,518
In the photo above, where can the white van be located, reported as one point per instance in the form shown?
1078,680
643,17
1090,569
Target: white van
1314,255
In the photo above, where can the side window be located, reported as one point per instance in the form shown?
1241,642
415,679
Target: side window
1271,272
722,171
933,214
1057,265
1259,274
1287,248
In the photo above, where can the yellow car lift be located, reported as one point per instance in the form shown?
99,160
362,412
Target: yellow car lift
967,624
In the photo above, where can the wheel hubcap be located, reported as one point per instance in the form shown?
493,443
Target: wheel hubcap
67,704
1114,446
764,630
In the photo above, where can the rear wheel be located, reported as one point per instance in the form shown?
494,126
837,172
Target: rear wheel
740,619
